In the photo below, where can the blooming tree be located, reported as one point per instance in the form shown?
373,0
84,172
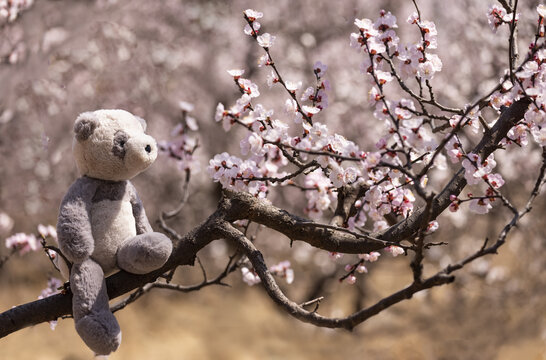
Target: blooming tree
364,201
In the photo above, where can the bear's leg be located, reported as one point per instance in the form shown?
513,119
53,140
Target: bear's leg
144,253
95,324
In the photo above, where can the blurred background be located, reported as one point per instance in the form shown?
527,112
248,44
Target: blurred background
61,58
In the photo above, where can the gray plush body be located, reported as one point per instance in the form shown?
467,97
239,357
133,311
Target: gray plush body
102,224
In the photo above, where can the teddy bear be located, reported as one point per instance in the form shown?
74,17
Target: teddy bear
102,225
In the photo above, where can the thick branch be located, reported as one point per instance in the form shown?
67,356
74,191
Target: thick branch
53,307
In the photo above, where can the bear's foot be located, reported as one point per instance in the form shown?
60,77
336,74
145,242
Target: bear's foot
100,332
144,253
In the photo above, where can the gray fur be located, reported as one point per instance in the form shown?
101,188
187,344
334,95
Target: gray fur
102,224
95,324
85,126
144,253
74,225
110,190
120,139
142,223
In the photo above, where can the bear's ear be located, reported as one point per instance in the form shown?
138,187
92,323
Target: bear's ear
142,122
85,124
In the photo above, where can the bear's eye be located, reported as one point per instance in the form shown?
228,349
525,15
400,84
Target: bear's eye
120,139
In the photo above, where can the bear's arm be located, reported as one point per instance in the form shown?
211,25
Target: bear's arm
142,224
74,224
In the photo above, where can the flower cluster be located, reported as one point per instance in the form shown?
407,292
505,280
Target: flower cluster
23,243
182,147
359,267
326,162
282,269
379,41
10,9
496,16
53,286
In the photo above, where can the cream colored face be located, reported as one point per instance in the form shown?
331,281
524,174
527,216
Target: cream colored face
112,145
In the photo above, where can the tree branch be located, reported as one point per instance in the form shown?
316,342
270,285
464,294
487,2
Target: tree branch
235,206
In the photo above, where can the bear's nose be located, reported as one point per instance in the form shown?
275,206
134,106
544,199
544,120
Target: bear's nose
148,149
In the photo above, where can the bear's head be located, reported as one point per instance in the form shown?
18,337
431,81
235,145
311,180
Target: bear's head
111,145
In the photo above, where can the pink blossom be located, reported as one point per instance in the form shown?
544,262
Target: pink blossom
252,30
6,223
249,88
236,73
351,279
252,15
480,206
395,250
46,231
385,21
432,65
454,206
310,110
249,276
496,16
266,40
413,18
185,106
272,79
495,180
53,285
319,69
541,9
252,143
293,86
371,257
375,46
284,270
335,255
361,269
432,227
264,60
23,242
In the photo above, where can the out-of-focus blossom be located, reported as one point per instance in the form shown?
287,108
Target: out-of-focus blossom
361,269
23,242
249,276
480,206
236,73
395,250
284,270
319,69
10,10
53,285
6,223
371,257
432,227
46,231
541,9
186,106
